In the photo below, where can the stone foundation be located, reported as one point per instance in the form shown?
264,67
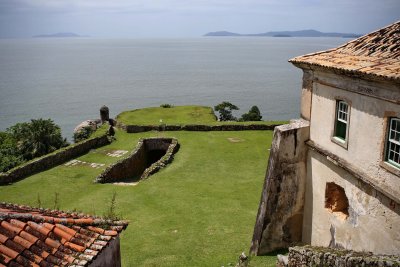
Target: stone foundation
139,164
321,257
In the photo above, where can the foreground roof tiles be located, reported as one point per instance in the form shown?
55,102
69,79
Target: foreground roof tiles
376,54
43,237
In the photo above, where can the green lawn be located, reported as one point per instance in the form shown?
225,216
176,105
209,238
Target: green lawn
175,115
198,211
179,115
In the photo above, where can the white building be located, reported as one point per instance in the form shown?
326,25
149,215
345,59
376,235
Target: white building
340,187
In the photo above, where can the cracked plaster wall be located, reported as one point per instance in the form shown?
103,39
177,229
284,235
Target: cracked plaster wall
372,224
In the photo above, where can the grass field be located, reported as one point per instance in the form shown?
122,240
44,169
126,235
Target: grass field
178,115
198,211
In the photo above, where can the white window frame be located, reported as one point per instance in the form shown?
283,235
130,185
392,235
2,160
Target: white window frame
343,112
393,143
341,116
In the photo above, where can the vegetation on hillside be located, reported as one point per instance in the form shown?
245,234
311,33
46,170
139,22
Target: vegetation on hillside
25,141
254,114
225,111
83,134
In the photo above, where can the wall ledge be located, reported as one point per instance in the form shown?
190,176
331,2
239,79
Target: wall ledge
350,168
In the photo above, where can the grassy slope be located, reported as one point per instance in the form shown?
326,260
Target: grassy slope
178,115
174,115
199,211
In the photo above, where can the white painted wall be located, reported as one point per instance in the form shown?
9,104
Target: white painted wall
374,220
371,226
367,128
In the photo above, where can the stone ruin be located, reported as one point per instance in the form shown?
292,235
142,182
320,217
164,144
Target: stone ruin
93,124
150,155
104,114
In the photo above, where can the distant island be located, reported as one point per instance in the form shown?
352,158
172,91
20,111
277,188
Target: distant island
302,33
58,35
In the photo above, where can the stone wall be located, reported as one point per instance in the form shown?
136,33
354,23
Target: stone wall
320,256
135,163
195,127
280,215
48,161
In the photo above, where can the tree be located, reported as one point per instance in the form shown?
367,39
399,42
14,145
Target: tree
225,111
37,138
9,157
83,134
254,114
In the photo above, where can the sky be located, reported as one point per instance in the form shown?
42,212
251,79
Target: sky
190,18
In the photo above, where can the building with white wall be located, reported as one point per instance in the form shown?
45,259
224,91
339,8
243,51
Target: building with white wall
345,168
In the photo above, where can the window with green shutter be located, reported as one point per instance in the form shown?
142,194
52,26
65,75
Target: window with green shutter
342,120
393,142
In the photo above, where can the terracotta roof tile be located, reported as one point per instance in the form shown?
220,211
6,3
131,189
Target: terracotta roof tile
8,252
14,264
111,233
39,228
42,237
14,246
3,239
22,242
4,260
28,237
8,226
32,256
25,262
96,229
376,54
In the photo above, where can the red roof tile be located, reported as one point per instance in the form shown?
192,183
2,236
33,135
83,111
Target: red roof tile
376,55
42,237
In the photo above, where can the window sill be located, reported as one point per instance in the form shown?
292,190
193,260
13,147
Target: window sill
390,168
339,141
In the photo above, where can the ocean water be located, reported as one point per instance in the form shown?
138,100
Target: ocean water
68,80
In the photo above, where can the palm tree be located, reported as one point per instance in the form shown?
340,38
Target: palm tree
37,138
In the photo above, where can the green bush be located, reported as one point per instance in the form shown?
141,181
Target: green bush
254,114
37,138
225,111
9,157
166,106
83,134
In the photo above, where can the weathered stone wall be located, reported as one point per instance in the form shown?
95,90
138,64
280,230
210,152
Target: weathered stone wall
131,166
280,214
110,256
135,163
48,161
321,257
194,127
